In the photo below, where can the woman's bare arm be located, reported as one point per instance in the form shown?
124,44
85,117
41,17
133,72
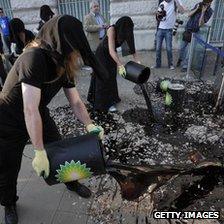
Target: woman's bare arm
111,43
31,101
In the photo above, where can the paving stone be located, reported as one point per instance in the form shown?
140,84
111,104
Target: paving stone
38,202
68,218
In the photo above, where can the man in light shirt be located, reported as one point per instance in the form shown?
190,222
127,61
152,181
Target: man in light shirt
95,25
165,29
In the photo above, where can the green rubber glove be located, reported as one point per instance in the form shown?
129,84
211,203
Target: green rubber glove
93,129
122,71
41,163
164,85
168,99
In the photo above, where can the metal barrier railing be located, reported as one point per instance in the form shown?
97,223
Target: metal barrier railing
217,28
80,8
6,5
198,52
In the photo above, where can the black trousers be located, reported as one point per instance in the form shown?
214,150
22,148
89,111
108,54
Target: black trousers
2,71
12,142
7,43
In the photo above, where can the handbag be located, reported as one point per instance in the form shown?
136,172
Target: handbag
187,34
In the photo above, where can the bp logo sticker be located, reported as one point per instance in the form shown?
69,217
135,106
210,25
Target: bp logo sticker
72,171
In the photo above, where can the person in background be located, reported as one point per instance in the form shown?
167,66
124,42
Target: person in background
199,15
2,69
47,64
45,14
104,95
157,24
95,25
166,19
4,25
19,37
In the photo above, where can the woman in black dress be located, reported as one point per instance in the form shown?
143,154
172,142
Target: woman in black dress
103,94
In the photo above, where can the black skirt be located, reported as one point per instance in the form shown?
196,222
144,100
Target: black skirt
104,93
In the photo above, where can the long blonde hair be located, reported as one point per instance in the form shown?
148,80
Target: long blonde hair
72,63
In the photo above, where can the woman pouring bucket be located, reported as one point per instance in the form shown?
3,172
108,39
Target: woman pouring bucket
48,64
104,95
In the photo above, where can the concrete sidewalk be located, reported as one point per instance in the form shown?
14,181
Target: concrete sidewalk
43,204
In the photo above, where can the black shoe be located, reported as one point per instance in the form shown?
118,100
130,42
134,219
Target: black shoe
178,63
80,189
11,216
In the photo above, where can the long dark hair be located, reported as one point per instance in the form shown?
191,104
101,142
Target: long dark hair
71,64
123,28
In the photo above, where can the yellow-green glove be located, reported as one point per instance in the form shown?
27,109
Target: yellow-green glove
93,129
122,71
3,56
41,163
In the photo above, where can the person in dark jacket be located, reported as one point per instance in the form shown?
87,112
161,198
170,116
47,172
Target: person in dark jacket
198,16
45,14
48,64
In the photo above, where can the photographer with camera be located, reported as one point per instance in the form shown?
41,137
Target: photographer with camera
199,15
166,17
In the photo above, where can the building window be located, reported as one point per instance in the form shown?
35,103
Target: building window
6,5
80,8
217,29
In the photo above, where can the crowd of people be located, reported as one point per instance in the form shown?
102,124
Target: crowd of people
44,64
166,19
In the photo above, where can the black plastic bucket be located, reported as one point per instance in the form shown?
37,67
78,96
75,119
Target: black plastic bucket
177,92
75,158
137,73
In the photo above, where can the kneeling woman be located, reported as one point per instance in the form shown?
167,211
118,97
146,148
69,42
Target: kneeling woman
49,64
103,94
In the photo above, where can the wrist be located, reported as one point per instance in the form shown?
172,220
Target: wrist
39,149
40,152
89,126
91,123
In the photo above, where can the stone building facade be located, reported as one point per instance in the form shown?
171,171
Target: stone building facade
141,11
143,15
28,10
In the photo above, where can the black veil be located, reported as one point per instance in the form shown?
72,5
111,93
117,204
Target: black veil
124,28
61,35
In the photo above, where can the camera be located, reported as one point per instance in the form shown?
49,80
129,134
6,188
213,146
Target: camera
176,25
161,13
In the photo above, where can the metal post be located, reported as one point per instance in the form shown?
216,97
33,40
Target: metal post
190,56
205,53
220,96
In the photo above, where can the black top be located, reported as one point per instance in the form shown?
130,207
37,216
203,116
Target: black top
41,23
129,42
36,68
